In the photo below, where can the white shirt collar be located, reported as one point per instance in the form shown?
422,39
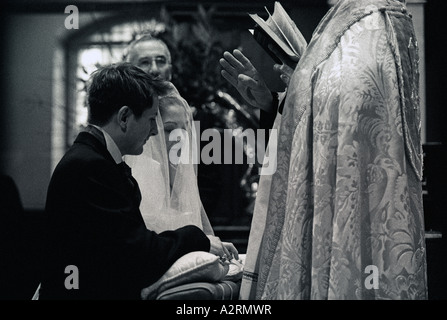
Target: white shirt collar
111,145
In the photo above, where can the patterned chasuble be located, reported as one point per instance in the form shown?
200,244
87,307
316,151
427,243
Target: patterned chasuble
342,216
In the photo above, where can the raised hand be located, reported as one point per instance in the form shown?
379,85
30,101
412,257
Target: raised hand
240,72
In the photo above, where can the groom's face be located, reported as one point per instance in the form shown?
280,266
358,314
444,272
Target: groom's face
140,129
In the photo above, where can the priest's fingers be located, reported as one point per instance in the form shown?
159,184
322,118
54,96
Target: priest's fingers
243,59
229,77
285,72
283,69
228,67
285,79
291,61
233,61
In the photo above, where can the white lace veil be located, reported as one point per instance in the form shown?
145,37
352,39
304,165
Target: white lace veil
164,209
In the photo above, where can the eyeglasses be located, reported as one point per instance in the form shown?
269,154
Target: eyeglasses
159,62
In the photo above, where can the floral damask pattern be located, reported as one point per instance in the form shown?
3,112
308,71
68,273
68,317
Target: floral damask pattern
353,197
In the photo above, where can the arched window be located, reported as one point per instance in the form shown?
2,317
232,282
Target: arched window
103,42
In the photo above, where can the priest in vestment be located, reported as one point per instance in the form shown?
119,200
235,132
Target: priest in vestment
342,216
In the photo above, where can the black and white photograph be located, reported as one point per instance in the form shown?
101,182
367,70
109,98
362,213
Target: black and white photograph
223,155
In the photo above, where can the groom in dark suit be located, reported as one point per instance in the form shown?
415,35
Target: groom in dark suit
97,245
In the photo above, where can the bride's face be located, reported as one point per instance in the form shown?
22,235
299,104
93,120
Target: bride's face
174,117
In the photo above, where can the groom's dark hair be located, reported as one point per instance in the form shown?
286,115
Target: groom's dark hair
121,84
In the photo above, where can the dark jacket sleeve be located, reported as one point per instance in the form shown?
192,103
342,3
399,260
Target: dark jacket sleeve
95,224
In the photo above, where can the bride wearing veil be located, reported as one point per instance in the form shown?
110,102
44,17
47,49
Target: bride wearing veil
166,172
